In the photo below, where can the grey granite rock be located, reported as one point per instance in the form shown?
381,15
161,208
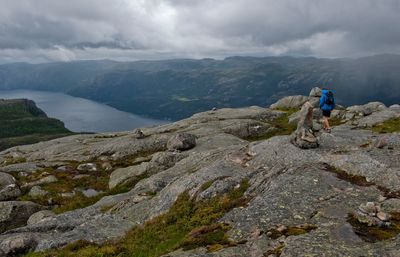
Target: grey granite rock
9,189
181,142
14,214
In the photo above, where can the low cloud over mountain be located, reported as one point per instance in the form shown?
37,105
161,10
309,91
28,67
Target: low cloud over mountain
38,31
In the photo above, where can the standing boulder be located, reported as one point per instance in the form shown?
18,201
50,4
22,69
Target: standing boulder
304,136
181,142
9,189
15,214
316,92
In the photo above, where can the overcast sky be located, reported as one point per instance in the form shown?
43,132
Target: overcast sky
60,30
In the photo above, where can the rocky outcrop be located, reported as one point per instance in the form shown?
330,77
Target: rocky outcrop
298,202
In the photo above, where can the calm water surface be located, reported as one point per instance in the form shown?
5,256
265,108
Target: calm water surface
82,115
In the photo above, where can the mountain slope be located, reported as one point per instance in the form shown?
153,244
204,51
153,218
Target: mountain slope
22,122
176,89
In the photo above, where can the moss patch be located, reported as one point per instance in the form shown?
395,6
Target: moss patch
68,183
291,231
343,175
188,224
277,251
335,121
389,126
281,125
360,181
374,234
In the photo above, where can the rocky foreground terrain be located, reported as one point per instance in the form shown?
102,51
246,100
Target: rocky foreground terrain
226,182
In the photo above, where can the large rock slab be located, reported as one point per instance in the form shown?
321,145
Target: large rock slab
15,214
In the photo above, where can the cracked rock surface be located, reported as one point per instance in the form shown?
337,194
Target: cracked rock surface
300,199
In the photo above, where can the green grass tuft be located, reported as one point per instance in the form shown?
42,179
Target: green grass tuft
281,124
389,126
188,224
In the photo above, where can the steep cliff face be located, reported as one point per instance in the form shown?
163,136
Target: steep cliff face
226,182
22,122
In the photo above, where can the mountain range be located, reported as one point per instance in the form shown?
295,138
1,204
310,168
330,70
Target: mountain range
175,89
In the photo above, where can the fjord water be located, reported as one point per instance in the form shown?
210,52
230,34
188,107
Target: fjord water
81,115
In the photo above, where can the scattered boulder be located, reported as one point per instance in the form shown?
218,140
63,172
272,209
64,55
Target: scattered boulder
304,136
40,216
290,102
37,191
138,134
14,214
90,193
9,189
87,167
42,181
316,92
181,142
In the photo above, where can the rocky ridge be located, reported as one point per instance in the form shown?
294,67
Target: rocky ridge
299,202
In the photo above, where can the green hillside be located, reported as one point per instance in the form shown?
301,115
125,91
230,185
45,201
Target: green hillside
22,122
176,89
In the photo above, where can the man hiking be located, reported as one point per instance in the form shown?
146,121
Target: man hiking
327,104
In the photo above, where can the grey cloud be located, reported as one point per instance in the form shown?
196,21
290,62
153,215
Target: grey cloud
48,30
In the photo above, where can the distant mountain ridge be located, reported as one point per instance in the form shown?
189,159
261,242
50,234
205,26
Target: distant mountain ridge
175,89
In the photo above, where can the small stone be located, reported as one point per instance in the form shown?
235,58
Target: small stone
383,216
68,195
37,191
106,166
87,167
23,174
90,193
